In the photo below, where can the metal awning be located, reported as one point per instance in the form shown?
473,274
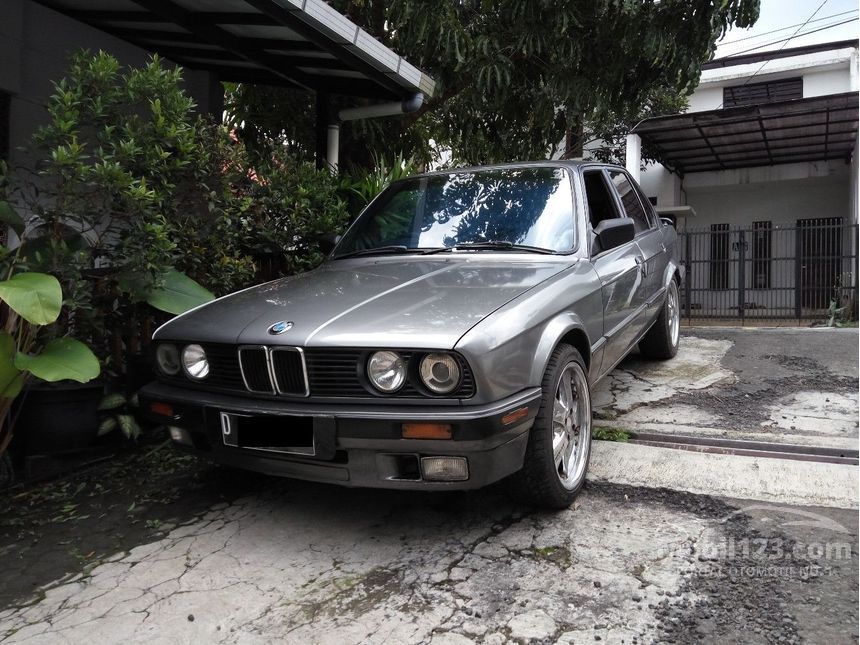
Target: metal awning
811,129
303,44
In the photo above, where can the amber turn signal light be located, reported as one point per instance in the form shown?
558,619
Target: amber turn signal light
426,431
161,409
517,415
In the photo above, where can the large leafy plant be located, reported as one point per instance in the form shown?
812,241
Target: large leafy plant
34,300
118,158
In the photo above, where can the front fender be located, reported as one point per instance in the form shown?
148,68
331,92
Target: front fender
567,327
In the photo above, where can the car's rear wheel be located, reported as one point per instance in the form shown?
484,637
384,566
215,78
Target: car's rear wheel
663,338
559,444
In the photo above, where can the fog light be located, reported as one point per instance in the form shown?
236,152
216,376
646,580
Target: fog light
181,435
445,469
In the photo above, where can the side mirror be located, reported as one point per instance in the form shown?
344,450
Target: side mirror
327,242
668,221
615,232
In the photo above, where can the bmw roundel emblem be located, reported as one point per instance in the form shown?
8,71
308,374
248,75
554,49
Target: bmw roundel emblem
280,327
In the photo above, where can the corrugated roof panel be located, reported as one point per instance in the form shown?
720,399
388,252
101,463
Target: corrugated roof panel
816,128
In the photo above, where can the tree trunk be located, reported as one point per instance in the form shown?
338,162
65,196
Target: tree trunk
573,137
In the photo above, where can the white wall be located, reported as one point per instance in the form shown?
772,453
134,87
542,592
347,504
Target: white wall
821,82
35,45
782,202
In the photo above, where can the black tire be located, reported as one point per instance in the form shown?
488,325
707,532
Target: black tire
539,482
661,341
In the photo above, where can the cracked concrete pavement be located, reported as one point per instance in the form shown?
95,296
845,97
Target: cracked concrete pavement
304,563
776,385
295,562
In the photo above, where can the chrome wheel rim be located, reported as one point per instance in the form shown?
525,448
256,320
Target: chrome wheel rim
571,425
674,314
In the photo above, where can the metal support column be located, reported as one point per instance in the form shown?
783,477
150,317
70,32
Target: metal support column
323,117
742,261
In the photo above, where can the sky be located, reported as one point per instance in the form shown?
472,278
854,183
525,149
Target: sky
780,19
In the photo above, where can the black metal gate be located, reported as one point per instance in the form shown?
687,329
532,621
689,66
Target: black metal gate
770,273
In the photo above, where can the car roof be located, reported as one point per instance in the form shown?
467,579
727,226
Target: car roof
571,164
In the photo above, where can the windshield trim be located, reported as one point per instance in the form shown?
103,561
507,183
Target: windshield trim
567,170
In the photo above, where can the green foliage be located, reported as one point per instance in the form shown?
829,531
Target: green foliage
289,207
514,77
365,184
119,411
178,293
610,434
36,297
61,359
11,378
34,300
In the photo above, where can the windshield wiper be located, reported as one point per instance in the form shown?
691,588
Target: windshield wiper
501,245
378,249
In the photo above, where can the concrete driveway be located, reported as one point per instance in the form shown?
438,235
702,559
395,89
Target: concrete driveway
779,385
285,561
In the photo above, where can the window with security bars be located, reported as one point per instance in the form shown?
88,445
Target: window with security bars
761,255
784,89
719,265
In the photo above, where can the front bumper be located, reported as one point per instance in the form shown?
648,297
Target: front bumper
353,445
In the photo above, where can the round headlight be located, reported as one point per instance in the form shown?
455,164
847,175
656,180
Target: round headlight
194,362
440,373
167,357
386,371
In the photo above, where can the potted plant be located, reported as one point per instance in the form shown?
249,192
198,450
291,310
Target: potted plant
32,301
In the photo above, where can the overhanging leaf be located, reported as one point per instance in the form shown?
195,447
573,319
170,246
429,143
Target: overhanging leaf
128,425
107,425
36,297
11,378
62,358
10,218
112,401
179,294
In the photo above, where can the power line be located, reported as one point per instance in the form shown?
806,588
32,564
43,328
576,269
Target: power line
774,31
782,47
785,40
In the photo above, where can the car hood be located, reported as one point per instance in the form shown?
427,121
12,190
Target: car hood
379,302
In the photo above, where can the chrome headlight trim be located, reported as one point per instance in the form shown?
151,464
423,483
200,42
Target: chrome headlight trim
195,364
386,371
440,372
167,359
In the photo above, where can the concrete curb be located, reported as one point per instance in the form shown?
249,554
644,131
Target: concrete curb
784,481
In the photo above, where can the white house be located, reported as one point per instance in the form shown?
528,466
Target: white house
761,174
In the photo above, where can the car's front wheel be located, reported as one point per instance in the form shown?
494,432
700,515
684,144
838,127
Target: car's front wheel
559,444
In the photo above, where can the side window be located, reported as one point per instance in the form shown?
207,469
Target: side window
601,206
630,200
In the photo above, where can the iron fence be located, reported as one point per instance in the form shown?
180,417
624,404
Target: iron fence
770,272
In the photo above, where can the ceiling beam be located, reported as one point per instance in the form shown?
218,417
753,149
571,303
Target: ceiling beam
289,19
217,36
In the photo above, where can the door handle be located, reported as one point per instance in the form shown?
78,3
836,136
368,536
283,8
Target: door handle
643,267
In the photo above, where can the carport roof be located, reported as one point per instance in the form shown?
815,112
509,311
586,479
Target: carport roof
296,43
810,129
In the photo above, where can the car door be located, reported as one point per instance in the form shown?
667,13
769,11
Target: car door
649,238
620,272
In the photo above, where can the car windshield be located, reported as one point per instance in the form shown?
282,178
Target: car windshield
525,207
